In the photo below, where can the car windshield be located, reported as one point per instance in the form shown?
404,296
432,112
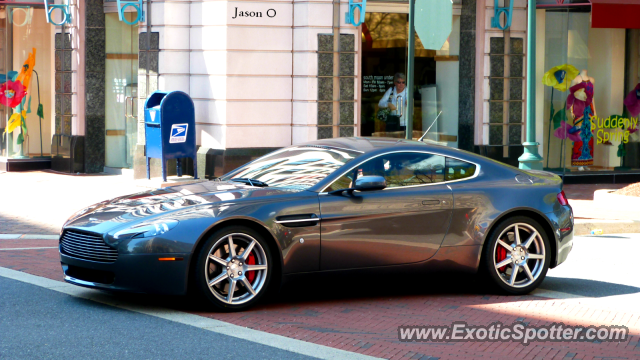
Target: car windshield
298,167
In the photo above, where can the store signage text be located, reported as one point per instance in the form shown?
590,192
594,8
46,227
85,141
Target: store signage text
270,13
371,83
602,135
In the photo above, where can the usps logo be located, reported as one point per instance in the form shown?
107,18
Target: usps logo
178,133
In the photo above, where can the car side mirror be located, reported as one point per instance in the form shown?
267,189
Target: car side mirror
368,183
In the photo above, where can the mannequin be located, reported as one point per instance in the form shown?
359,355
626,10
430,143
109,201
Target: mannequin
580,102
583,76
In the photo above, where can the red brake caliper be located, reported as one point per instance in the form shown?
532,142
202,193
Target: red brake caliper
501,254
251,260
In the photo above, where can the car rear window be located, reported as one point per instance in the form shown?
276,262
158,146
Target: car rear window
458,169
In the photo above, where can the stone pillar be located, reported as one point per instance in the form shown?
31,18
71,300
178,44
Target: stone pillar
95,62
467,57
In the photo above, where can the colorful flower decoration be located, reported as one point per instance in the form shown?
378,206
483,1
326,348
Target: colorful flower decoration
566,131
560,76
27,69
14,122
11,93
632,101
580,97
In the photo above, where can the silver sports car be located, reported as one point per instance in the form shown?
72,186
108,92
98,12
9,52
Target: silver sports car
330,205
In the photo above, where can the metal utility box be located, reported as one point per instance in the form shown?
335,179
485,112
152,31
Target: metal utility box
170,129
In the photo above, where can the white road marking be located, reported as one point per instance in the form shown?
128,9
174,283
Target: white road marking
30,248
28,236
217,326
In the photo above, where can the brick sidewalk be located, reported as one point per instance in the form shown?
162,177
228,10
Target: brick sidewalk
39,202
368,324
581,199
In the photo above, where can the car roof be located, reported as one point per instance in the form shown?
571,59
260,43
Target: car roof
380,144
363,144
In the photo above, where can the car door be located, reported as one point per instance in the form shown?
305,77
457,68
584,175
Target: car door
403,223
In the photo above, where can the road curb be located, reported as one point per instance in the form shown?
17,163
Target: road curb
29,237
585,226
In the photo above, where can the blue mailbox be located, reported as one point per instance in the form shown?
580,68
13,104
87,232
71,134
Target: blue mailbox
170,129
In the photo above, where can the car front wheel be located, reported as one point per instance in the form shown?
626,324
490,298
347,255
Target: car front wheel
233,269
517,255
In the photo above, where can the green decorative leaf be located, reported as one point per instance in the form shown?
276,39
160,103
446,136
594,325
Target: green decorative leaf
29,106
12,75
40,111
20,139
621,150
24,125
558,118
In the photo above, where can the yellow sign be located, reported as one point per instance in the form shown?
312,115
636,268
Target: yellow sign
606,128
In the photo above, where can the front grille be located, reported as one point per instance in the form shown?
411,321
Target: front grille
86,246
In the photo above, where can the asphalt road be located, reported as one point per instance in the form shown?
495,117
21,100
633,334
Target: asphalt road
38,323
600,269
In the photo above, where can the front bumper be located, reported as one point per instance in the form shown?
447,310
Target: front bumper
141,273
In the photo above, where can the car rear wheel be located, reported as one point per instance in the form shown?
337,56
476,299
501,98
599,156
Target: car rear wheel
233,269
517,257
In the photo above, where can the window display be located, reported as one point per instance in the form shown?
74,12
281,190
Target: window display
26,68
593,112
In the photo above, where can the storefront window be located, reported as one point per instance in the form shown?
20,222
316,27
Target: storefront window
26,73
590,97
121,96
384,96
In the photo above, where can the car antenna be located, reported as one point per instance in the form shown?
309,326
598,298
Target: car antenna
434,121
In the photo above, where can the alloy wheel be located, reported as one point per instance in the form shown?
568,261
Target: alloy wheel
236,268
519,255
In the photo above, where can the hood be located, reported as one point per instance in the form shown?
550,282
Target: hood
110,214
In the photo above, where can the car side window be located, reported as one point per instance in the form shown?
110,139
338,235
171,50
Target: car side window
398,169
458,169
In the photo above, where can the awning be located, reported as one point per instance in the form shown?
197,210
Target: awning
620,14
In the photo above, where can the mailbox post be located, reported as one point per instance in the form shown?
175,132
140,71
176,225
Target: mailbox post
170,129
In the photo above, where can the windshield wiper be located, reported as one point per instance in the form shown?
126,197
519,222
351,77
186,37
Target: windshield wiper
252,182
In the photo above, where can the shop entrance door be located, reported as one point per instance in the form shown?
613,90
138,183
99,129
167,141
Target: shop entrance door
121,96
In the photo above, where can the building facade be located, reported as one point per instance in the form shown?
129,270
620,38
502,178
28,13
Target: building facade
268,74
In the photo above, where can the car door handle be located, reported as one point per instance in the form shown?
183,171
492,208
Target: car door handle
430,202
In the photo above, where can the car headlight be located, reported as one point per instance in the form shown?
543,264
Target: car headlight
146,229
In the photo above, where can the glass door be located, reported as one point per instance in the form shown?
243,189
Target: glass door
121,90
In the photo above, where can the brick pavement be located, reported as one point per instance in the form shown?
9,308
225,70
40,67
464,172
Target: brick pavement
367,322
39,202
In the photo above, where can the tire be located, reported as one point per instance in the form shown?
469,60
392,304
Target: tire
535,258
221,268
